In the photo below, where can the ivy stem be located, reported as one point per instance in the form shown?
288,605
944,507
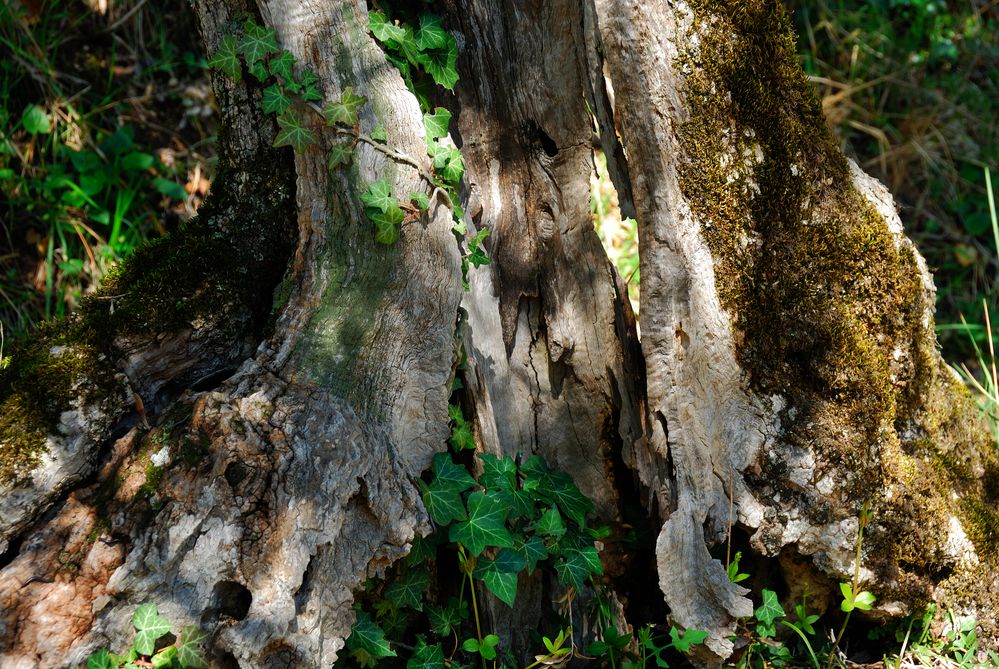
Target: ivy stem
382,148
475,605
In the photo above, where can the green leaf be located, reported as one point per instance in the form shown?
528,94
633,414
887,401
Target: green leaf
136,161
379,195
689,638
340,154
576,565
847,604
259,71
461,434
498,473
421,201
190,651
407,590
367,636
149,626
85,161
379,134
864,600
225,59
36,121
309,83
164,658
452,474
426,656
557,487
440,62
443,620
101,660
257,43
487,649
770,609
275,100
170,188
431,34
386,223
292,133
283,65
533,551
344,112
503,585
485,525
454,169
550,524
443,503
383,29
436,124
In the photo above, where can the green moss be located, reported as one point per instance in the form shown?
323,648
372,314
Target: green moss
826,306
818,290
218,272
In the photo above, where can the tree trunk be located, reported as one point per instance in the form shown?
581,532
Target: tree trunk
296,374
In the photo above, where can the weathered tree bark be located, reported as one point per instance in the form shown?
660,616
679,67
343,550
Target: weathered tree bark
787,373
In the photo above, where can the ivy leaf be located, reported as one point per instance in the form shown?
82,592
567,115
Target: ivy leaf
445,619
591,558
407,590
310,86
431,34
386,223
550,524
283,65
101,660
421,201
443,503
149,626
379,195
576,566
533,551
379,134
503,585
190,652
275,100
344,111
688,639
440,62
426,656
225,59
452,474
498,473
485,525
259,71
557,487
461,434
770,609
367,636
292,133
436,124
383,29
257,43
509,561
454,168
340,154
164,658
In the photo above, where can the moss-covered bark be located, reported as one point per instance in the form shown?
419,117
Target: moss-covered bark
830,308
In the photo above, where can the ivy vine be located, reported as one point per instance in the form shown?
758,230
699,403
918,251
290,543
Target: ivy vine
423,55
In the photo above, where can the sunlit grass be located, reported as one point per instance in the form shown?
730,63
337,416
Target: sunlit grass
619,237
